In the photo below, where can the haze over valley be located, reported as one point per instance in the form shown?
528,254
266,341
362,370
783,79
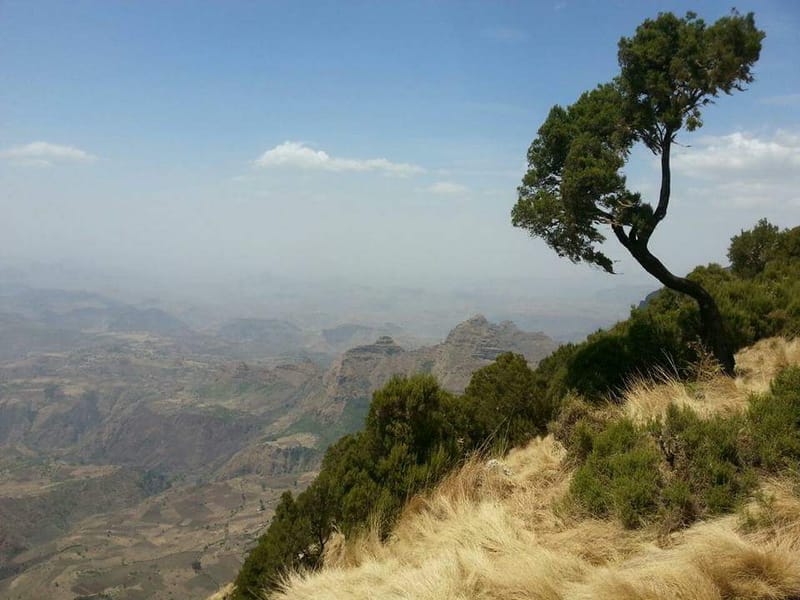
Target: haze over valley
154,450
294,293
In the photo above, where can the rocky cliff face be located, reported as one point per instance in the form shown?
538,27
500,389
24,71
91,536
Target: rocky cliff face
471,345
476,343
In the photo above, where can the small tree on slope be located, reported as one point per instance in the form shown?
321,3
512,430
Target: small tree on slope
669,71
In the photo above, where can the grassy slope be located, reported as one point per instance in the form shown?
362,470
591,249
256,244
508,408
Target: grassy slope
503,530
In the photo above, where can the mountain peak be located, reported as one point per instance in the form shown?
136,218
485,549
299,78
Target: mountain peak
477,319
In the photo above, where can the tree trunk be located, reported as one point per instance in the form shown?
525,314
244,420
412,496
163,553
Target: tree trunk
714,334
713,331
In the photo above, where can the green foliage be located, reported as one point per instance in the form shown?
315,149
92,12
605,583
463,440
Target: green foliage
573,176
750,250
408,413
501,404
620,474
682,468
415,433
407,443
775,419
705,457
602,365
289,537
669,71
673,67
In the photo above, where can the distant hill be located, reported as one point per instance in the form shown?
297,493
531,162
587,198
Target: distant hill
274,336
88,405
349,382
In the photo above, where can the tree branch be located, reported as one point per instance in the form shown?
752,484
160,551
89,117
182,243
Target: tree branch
664,194
621,236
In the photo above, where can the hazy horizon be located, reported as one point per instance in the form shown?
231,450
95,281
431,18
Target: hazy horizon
210,145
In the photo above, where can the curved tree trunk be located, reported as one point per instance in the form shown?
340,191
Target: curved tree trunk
713,328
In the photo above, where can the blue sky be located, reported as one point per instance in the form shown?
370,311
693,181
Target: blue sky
369,141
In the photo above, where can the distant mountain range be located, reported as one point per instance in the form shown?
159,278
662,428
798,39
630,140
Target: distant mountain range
127,437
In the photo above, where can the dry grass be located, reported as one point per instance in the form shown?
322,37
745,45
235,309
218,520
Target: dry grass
222,594
646,399
500,530
759,363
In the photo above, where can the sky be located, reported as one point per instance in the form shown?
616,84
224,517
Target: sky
370,142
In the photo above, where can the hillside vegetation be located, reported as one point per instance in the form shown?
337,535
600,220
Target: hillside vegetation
640,442
524,527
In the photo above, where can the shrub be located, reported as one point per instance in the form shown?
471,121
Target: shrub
284,546
620,475
775,423
500,405
683,467
750,250
409,442
705,457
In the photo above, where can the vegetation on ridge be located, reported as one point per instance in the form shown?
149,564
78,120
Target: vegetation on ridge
670,70
501,529
415,433
670,470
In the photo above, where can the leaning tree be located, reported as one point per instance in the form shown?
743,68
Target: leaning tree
669,71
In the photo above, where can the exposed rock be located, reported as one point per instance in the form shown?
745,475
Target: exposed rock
469,346
272,458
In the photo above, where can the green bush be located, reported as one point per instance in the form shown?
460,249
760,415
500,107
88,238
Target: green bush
408,443
750,251
705,457
775,423
681,468
500,406
283,547
620,475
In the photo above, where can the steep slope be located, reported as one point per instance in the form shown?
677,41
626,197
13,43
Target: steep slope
475,343
501,529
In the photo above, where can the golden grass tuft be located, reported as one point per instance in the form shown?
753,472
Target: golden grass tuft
499,530
646,399
223,594
759,363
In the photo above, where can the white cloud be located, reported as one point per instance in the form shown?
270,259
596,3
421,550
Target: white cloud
299,156
740,154
744,170
45,154
447,188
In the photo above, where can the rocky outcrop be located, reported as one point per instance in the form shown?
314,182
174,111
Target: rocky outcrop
476,343
272,458
469,346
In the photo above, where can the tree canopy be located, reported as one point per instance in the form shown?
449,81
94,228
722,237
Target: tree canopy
669,71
